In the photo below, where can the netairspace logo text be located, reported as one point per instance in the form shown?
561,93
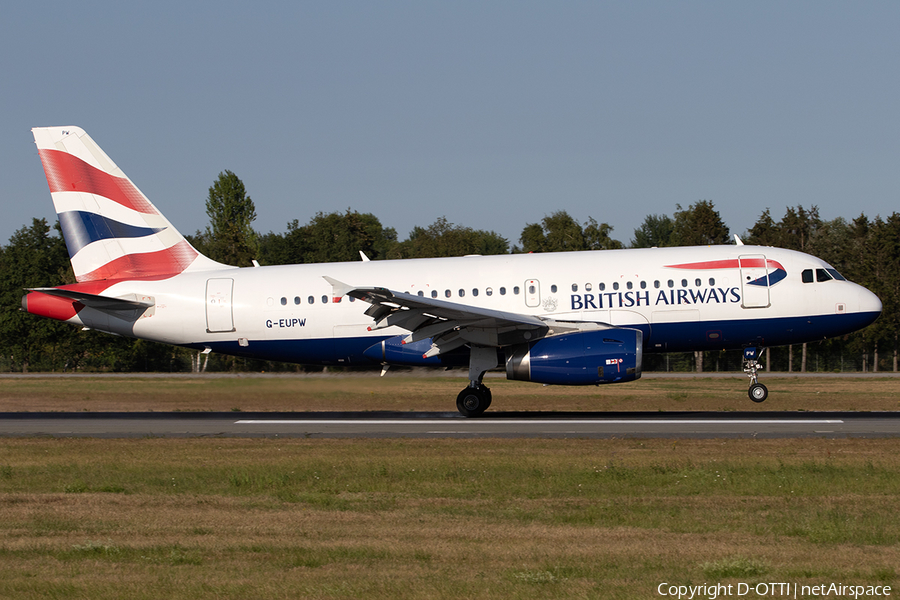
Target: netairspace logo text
771,590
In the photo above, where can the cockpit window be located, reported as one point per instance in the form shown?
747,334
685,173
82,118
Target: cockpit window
821,275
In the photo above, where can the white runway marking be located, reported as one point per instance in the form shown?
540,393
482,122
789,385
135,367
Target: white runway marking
540,422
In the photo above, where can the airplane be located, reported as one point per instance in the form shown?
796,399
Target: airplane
574,318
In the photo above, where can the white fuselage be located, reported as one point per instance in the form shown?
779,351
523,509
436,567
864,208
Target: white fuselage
692,298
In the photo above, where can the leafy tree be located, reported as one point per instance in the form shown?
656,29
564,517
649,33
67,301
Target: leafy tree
34,258
795,231
657,231
765,232
559,232
799,226
332,237
699,225
597,236
442,238
229,237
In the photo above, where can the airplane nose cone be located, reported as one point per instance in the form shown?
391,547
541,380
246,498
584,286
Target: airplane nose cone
869,304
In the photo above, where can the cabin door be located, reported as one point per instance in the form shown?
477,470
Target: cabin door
219,314
754,281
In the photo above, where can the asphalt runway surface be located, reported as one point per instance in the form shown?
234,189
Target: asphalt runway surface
452,425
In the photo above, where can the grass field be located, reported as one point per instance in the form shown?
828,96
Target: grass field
267,518
440,519
403,392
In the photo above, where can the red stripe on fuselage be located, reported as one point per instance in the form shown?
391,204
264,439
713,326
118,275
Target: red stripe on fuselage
67,173
147,266
731,263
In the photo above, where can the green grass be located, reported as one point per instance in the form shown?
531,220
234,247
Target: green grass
408,392
440,518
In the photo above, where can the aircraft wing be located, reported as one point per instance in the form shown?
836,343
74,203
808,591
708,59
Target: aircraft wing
449,324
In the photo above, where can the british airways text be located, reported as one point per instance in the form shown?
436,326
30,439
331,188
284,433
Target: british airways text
663,298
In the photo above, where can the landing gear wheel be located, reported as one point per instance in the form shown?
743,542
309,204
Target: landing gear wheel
471,402
758,392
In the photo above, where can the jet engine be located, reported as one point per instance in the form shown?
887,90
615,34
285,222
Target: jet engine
578,358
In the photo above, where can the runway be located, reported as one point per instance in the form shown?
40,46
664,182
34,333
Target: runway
451,425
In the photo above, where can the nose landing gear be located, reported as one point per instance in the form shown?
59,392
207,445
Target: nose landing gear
757,392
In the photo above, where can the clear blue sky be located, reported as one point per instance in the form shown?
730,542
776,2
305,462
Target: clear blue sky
492,114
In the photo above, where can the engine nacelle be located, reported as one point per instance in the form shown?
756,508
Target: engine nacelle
579,358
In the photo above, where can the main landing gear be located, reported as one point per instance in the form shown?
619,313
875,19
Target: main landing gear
757,392
476,398
473,401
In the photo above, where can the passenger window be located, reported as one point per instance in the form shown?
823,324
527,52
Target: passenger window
629,285
489,291
296,299
553,288
587,287
615,285
434,293
697,282
503,291
311,300
325,299
656,284
601,287
447,293
807,276
531,289
462,293
516,290
643,285
574,287
284,301
684,283
712,281
421,294
475,292
822,275
671,283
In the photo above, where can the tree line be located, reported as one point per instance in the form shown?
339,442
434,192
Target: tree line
864,250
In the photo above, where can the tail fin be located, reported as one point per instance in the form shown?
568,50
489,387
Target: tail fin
112,231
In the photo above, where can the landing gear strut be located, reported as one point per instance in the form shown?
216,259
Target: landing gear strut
476,398
757,392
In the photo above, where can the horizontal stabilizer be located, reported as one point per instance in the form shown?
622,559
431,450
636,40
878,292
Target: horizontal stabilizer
95,301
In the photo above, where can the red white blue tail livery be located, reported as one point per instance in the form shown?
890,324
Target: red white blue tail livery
112,230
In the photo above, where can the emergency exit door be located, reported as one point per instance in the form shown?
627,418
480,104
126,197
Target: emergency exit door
532,293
